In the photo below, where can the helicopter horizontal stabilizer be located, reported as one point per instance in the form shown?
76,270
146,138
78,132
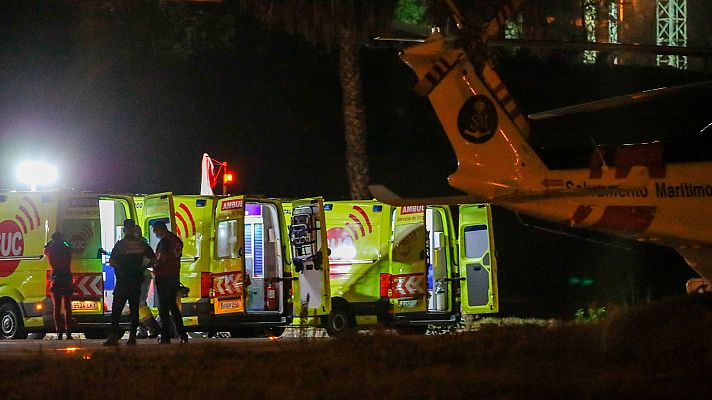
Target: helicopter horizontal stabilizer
620,101
385,195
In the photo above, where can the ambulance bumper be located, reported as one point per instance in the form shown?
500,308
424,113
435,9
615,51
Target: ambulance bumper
227,322
426,319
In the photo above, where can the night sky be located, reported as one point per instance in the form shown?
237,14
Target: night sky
271,108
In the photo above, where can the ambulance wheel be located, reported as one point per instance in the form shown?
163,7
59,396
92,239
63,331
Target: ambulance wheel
412,330
339,322
11,324
96,333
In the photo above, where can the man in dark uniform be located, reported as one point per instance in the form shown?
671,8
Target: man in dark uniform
167,272
127,258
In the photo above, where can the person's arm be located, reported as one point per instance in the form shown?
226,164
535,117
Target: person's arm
114,253
150,255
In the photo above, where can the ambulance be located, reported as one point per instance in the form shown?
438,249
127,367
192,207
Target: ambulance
407,267
236,261
236,264
89,223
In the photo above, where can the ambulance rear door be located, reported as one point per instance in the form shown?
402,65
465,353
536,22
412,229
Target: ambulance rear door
478,265
114,209
158,207
408,260
228,265
310,257
79,221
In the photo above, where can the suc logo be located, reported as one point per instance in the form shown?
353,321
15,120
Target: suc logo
12,241
12,244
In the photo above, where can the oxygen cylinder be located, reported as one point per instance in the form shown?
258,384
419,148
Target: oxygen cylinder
271,303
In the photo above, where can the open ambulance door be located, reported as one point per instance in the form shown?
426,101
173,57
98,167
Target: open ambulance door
229,279
113,210
310,257
478,265
157,207
80,222
408,285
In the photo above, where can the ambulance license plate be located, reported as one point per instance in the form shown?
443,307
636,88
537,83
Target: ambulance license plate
408,303
85,305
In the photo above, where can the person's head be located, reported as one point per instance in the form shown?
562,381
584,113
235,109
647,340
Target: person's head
160,229
137,231
58,237
129,227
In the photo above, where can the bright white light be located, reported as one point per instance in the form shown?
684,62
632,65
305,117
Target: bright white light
36,173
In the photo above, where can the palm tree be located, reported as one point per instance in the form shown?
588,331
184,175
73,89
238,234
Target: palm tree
345,24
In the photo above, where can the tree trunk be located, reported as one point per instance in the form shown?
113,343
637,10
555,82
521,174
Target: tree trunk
354,115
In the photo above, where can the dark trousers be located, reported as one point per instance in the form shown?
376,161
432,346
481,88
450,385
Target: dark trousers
62,323
168,307
125,291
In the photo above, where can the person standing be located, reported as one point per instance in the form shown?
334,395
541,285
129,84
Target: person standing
59,256
148,326
127,258
167,272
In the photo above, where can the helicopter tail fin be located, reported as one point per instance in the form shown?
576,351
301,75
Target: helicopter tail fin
484,126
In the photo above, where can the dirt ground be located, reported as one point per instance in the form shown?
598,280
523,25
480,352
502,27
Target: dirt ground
657,351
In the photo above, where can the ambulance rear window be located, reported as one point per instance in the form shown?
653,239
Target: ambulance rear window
226,242
476,241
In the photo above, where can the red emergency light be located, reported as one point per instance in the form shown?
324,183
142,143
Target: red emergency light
228,177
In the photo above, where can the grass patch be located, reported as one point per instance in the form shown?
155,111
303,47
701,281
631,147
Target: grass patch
659,351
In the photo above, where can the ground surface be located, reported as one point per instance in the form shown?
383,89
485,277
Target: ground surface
659,351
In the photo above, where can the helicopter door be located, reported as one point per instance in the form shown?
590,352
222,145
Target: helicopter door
477,263
310,256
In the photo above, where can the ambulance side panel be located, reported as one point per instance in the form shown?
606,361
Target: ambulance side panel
27,221
194,216
359,253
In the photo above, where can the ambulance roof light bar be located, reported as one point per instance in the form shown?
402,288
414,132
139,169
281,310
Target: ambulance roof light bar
36,173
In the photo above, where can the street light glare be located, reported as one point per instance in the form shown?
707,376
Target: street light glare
36,173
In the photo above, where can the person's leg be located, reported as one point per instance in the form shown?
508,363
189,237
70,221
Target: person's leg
120,298
148,327
133,298
177,315
57,313
164,300
68,313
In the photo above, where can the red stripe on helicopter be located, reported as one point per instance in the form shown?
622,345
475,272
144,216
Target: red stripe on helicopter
628,219
580,215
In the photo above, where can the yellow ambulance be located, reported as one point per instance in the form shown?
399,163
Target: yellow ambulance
408,267
236,261
89,222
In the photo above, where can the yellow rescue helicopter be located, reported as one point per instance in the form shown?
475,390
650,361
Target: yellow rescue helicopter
634,192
